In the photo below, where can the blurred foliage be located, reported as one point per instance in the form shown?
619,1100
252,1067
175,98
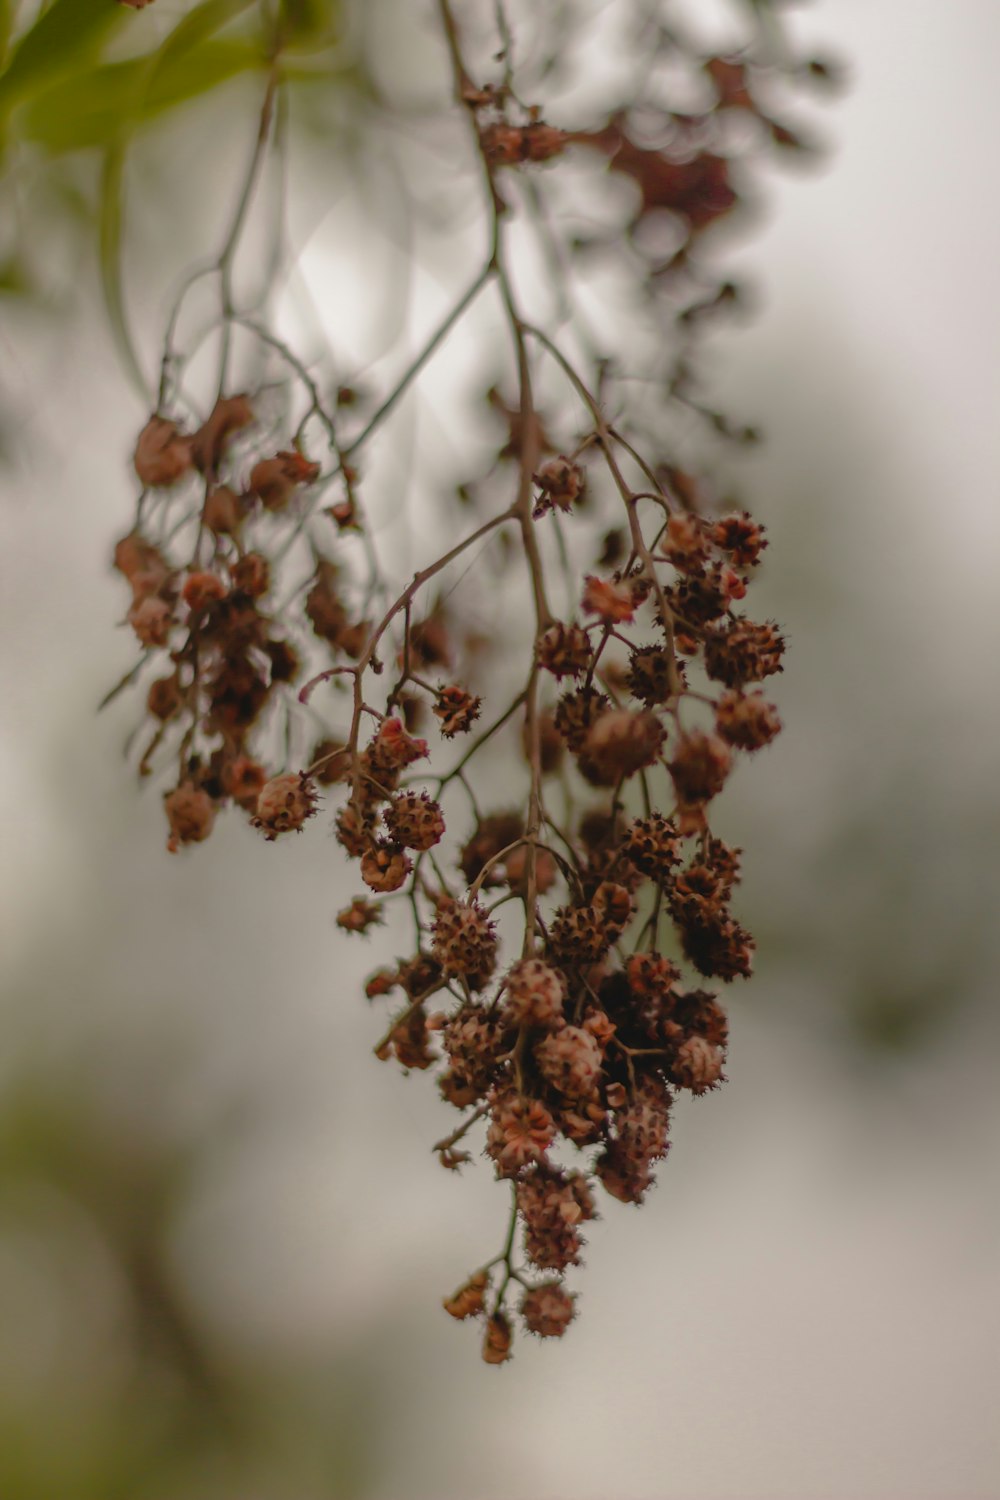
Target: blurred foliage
113,1385
81,81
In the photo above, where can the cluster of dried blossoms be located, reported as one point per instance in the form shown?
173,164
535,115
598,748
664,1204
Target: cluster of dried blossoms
569,1023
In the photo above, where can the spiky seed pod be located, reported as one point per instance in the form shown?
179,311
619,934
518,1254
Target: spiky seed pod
697,1065
613,905
468,1300
651,976
578,936
743,651
284,804
576,712
353,830
653,845
473,1042
746,720
190,813
360,915
553,1203
464,941
620,743
548,1309
742,537
565,650
687,543
536,993
570,1060
700,766
456,710
520,1130
385,867
497,1340
649,677
718,947
620,1176
414,820
724,861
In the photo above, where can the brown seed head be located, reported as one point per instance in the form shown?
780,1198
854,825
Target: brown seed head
284,804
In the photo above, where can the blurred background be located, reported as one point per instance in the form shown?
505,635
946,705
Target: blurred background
223,1242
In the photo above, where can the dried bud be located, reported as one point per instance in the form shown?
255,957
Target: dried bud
686,543
162,454
202,589
151,620
223,511
251,575
275,480
613,603
468,1300
360,915
561,483
209,444
164,697
190,813
393,749
497,1340
244,779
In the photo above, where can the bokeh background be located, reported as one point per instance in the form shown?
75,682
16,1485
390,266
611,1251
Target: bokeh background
222,1239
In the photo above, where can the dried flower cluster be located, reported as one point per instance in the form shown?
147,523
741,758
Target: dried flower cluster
568,1023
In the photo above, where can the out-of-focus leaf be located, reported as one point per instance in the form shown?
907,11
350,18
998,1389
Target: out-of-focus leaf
6,22
111,229
64,39
88,110
14,276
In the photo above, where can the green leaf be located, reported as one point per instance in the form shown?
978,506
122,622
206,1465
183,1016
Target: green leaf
91,109
64,39
197,26
6,22
111,227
